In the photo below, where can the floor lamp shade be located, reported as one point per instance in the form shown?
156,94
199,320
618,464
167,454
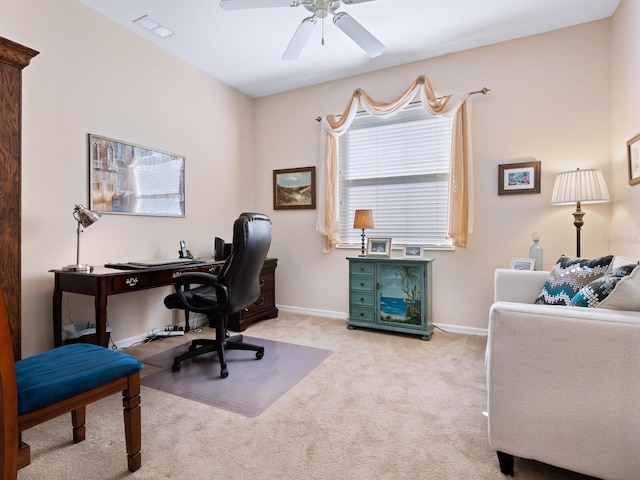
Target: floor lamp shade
363,219
579,186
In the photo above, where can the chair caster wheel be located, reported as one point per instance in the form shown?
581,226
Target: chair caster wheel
175,367
260,353
224,373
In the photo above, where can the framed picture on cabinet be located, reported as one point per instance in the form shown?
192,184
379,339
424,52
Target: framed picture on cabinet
379,247
517,178
633,156
523,263
412,251
294,188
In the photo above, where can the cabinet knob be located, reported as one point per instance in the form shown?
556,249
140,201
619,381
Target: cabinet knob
260,301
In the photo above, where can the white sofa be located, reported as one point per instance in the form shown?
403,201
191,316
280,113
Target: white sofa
563,382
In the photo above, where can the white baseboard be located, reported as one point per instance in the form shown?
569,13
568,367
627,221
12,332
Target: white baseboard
458,329
201,320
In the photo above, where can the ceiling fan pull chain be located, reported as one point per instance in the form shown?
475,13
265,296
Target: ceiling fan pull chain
322,42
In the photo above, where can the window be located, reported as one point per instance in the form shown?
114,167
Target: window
399,168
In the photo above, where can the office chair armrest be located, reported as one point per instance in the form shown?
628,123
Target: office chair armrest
201,279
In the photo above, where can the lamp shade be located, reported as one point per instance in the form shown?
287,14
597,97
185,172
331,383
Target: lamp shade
584,186
84,216
363,219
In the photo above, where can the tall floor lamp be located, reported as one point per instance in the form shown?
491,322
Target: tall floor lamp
85,217
579,186
363,219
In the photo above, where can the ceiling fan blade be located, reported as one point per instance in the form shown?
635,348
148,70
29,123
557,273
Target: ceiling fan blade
359,34
242,4
351,2
299,39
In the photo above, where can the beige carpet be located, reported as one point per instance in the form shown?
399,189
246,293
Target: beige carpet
383,406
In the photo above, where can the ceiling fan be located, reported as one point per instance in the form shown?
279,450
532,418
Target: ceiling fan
319,9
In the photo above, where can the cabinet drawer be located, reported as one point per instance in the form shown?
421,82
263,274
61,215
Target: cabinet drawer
362,298
132,282
362,283
362,314
362,268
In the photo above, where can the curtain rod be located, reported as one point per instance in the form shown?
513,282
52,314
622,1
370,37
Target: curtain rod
483,91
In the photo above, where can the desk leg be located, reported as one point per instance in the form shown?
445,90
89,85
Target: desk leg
57,317
101,318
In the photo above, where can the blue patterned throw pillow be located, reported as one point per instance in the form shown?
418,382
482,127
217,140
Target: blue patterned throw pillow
591,295
568,276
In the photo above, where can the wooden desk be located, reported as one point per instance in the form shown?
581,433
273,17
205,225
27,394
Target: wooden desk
103,282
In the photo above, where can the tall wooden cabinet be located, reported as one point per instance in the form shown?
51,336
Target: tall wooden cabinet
13,58
391,294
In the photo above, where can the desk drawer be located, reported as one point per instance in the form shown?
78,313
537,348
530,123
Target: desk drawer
167,277
267,281
133,281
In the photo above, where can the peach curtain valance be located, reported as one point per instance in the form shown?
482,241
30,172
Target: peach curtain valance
460,174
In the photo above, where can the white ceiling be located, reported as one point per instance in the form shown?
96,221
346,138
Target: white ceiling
243,48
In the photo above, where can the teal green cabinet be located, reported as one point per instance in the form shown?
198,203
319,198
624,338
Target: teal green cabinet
390,294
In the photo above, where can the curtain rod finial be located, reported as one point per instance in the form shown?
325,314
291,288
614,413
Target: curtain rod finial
421,79
357,92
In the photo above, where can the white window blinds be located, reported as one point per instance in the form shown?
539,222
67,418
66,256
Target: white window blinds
399,168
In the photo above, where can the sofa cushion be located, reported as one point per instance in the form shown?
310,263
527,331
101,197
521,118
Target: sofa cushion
594,293
626,294
568,276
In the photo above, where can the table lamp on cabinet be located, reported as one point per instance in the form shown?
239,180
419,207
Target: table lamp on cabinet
363,219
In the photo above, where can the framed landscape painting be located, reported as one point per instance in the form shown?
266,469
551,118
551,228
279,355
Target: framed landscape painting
294,188
517,178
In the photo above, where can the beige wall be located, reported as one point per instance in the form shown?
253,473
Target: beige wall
549,100
552,97
93,76
625,124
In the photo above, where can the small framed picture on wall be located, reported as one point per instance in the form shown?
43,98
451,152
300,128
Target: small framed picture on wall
518,178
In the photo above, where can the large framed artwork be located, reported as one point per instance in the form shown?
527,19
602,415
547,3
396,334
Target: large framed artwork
294,188
134,180
633,157
517,178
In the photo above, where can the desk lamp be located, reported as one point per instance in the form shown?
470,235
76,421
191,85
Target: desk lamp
85,217
363,219
579,186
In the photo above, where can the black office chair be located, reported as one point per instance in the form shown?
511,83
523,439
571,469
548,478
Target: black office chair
233,289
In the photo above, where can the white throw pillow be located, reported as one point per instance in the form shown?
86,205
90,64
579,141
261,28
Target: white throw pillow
626,294
619,261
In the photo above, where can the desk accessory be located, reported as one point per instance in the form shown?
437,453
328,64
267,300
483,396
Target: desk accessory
85,217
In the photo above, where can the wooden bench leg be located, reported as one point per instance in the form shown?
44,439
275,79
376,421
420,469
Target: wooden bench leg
78,419
132,422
